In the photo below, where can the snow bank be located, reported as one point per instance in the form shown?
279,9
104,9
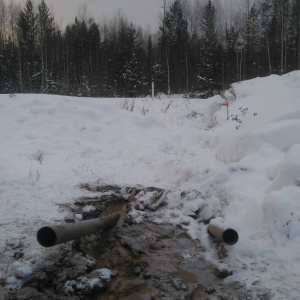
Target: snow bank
282,214
282,203
260,145
289,171
266,110
233,149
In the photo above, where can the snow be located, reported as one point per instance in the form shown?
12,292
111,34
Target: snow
13,284
20,270
97,281
243,172
104,274
82,283
88,208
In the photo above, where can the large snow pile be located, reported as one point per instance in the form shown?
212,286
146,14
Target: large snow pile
243,171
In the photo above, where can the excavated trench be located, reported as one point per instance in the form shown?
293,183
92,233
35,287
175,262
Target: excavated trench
145,261
157,261
153,261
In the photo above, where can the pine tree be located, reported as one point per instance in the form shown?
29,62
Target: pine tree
210,74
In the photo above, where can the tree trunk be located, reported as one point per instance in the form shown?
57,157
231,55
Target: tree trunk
237,65
168,69
241,64
20,73
269,57
298,37
186,68
282,42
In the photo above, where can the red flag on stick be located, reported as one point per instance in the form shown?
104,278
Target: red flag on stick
226,104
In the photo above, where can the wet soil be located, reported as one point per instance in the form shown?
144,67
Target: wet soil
155,262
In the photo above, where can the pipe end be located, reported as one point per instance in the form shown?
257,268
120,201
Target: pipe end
46,236
230,236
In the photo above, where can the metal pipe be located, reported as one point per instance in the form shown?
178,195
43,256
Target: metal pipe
229,236
49,236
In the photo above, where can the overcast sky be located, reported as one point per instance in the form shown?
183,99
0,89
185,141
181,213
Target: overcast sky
143,13
139,12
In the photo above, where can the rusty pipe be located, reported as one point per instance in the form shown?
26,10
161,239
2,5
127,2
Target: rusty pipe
229,236
49,236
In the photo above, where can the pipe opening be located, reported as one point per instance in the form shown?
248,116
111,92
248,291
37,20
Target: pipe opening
230,236
46,236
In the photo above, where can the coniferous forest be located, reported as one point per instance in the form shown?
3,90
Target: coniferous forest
200,48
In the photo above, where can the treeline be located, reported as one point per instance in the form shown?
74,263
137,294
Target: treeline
200,48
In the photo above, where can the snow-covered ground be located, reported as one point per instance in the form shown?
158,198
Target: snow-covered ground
244,171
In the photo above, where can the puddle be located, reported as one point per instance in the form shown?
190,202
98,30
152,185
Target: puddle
119,208
187,277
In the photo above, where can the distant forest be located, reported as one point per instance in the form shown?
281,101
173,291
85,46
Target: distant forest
199,49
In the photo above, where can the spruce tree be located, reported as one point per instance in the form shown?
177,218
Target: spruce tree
293,38
129,75
150,61
231,64
94,57
210,72
277,33
82,43
252,39
173,43
265,17
29,76
46,32
9,68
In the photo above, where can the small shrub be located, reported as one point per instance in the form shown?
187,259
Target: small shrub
167,108
144,111
127,105
38,155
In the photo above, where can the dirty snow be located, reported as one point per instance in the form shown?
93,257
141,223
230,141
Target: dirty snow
243,171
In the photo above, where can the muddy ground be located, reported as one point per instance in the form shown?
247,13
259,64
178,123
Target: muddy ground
145,261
